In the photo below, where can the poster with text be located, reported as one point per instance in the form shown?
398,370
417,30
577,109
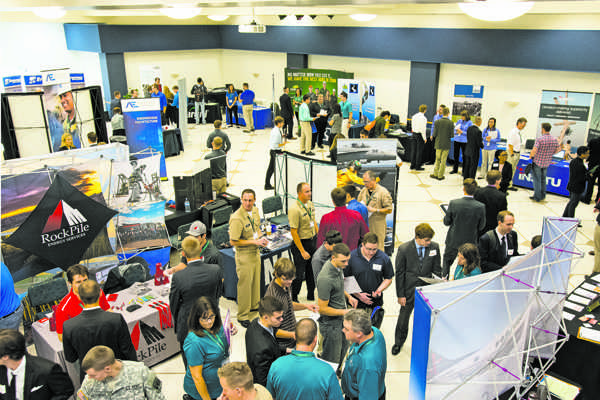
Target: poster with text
318,81
368,105
142,126
568,113
594,131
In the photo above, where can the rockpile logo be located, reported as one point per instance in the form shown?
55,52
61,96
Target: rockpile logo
153,338
64,225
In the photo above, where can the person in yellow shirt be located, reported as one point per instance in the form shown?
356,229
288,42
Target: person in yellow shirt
349,176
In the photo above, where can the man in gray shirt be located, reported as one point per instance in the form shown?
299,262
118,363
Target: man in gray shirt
323,253
218,166
218,132
332,304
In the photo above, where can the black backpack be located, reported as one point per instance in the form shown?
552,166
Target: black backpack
124,275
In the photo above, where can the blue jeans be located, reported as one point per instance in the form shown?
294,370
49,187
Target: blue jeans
200,106
539,182
574,199
14,320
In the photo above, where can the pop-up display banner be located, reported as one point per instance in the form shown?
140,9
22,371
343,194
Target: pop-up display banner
143,128
12,84
321,80
33,83
368,105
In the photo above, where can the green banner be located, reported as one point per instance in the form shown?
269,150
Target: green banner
321,80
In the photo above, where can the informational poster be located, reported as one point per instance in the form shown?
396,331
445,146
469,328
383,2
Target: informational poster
142,227
137,181
594,131
368,105
469,91
33,83
12,84
469,98
318,81
351,88
568,113
142,127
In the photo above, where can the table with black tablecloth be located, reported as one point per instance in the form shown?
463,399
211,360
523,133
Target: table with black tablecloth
172,142
579,359
213,111
354,131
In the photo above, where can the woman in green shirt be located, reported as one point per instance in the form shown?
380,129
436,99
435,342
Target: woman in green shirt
468,261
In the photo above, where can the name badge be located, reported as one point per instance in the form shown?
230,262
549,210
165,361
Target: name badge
510,252
432,253
377,267
255,235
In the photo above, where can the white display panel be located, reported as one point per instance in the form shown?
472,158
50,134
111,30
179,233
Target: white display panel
83,105
27,111
297,171
32,141
324,180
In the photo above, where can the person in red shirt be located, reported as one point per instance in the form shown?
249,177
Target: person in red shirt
349,223
71,306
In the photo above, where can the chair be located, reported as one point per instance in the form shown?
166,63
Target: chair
41,297
273,205
220,236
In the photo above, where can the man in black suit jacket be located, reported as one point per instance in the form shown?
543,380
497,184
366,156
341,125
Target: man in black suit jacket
261,346
472,149
197,280
493,199
417,258
578,177
94,327
466,218
287,112
497,246
37,378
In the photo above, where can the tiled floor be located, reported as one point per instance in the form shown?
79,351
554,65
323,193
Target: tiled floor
418,202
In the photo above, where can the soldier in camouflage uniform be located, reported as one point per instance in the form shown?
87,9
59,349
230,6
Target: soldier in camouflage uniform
111,379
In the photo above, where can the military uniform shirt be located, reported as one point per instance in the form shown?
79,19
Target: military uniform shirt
302,218
134,382
244,227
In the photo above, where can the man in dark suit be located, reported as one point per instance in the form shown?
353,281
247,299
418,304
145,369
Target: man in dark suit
578,176
466,218
31,378
494,200
443,131
593,161
472,149
94,327
287,112
497,246
261,345
417,258
197,280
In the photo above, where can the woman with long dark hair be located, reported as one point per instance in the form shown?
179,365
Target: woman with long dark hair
206,349
232,108
491,137
468,263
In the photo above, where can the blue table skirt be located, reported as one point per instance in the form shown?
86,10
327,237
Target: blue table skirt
262,117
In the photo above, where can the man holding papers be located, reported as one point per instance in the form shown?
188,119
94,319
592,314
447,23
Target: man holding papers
373,271
417,258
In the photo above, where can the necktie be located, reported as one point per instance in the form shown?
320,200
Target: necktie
421,253
503,245
12,387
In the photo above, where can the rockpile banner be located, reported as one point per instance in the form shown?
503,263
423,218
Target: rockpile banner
318,81
567,112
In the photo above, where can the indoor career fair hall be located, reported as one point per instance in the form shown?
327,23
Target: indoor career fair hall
308,202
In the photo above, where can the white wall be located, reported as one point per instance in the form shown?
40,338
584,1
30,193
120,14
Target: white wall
505,85
391,78
27,48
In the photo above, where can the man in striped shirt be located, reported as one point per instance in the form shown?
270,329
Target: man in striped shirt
541,155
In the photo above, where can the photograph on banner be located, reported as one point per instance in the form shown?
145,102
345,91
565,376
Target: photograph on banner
473,107
152,257
142,226
317,81
368,105
64,122
594,131
136,181
568,113
356,156
141,118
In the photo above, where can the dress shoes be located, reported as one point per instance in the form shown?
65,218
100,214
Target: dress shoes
396,349
454,172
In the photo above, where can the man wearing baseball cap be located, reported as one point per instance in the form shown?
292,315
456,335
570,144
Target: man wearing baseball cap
209,254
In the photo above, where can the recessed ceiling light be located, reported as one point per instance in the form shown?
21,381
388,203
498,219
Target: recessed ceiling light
363,17
218,17
181,12
496,10
49,12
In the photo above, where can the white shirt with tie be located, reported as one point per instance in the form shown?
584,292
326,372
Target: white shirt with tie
19,374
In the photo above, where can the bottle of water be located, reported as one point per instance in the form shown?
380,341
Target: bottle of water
187,205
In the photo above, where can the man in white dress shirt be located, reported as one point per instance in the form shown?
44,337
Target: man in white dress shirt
514,144
419,130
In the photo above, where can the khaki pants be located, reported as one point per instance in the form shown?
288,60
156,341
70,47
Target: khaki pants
248,118
487,159
440,163
219,185
248,269
597,248
513,160
378,226
345,127
306,138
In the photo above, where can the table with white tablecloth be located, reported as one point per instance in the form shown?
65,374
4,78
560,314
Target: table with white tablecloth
153,337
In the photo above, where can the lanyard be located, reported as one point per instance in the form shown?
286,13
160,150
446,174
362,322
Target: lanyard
369,196
251,223
217,340
368,342
204,248
305,209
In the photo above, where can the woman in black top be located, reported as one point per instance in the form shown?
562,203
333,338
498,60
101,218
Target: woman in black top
504,167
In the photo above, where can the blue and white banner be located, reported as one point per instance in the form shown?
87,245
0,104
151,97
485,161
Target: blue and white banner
77,80
469,91
143,129
33,83
368,101
12,84
351,86
56,77
557,176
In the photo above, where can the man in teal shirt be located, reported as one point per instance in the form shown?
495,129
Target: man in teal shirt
366,364
301,375
346,113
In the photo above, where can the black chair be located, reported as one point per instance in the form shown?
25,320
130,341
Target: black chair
273,205
220,236
41,297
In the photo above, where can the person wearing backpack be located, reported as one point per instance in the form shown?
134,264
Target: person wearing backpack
199,92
